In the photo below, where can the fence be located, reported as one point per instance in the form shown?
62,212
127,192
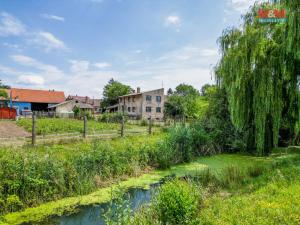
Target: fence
34,138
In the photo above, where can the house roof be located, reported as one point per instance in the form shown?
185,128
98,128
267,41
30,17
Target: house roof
85,99
135,94
79,104
37,96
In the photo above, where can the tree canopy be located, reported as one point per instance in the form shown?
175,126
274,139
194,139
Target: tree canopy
112,91
259,70
185,101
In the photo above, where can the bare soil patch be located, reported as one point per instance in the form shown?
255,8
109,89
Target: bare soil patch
8,129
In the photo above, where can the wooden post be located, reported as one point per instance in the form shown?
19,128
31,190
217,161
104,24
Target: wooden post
122,127
84,127
150,125
33,135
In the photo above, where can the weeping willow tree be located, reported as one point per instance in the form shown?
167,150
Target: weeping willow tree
259,70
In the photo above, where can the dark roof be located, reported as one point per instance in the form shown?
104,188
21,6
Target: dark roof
37,96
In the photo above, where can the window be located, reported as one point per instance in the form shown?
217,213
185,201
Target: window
129,109
133,99
148,98
133,109
128,99
148,109
26,108
158,109
158,98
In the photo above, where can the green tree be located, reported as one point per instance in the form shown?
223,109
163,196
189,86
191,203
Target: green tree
3,93
4,86
259,69
185,101
112,91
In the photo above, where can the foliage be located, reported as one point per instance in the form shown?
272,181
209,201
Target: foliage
113,117
217,123
185,101
45,173
112,91
205,89
177,203
56,125
3,93
264,193
4,86
259,71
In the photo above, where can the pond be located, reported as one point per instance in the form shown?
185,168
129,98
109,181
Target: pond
93,215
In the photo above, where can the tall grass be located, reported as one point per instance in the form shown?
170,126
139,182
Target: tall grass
57,125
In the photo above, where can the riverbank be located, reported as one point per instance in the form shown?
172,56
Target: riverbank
70,205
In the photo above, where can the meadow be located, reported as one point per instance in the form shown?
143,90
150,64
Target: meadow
266,192
58,126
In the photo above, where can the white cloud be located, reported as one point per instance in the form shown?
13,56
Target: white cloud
79,66
10,26
173,21
31,80
49,72
48,41
53,17
102,65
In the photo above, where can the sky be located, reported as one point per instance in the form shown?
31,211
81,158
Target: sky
77,46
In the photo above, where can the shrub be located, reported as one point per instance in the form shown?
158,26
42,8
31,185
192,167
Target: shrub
113,117
177,203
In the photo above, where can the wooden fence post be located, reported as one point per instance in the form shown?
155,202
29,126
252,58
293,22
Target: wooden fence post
150,125
33,135
122,127
84,127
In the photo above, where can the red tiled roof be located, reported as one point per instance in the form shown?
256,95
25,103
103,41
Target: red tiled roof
37,96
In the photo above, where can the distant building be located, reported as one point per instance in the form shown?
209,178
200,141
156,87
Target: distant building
67,107
143,105
27,100
95,103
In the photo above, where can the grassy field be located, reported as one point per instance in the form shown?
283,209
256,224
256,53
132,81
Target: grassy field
58,126
264,192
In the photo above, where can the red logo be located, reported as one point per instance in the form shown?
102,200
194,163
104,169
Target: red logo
271,13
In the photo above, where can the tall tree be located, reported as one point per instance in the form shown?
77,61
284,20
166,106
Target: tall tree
112,91
3,93
259,70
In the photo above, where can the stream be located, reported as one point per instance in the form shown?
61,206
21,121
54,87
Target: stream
93,215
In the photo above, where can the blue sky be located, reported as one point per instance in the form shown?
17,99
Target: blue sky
78,45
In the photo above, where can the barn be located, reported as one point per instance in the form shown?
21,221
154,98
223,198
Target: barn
27,100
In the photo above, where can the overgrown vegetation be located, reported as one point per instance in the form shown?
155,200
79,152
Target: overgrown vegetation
56,125
259,194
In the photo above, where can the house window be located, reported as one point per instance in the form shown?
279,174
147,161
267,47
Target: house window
148,98
133,109
133,99
26,108
128,99
148,109
129,109
158,98
158,109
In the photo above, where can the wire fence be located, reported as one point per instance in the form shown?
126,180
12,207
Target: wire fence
33,138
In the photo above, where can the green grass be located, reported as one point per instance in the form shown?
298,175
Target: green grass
60,207
256,192
272,198
59,126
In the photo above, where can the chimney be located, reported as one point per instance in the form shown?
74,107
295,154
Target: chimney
138,90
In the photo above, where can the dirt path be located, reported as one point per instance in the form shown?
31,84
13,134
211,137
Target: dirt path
8,129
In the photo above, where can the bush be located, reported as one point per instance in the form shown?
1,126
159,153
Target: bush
113,117
177,203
